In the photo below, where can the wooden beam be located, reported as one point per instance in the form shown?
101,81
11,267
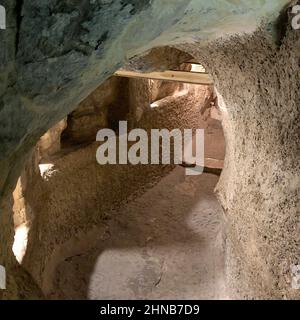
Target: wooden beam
179,76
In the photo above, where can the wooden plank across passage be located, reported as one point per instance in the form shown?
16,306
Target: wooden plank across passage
180,76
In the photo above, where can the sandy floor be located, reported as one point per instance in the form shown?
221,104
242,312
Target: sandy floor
165,245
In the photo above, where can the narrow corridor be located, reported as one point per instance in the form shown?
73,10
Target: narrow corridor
166,244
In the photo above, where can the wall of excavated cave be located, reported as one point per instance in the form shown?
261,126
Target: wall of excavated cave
75,195
259,188
49,63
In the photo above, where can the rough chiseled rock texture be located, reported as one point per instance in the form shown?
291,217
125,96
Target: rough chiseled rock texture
76,197
259,187
53,54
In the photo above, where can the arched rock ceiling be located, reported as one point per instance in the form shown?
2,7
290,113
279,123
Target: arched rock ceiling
64,50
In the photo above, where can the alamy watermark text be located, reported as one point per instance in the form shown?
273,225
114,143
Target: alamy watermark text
188,147
2,18
2,278
296,18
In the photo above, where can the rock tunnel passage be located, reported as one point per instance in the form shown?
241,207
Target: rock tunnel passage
53,57
167,244
159,227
